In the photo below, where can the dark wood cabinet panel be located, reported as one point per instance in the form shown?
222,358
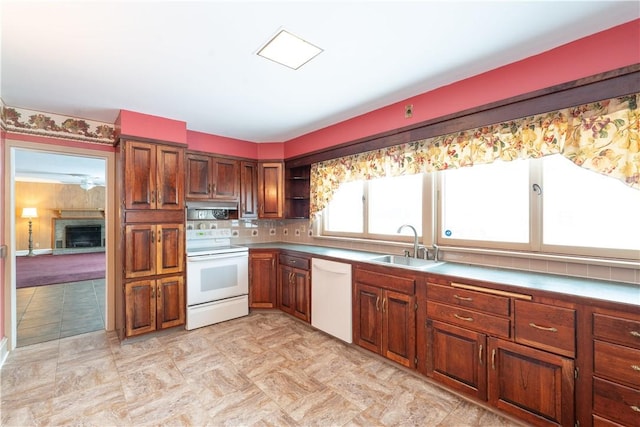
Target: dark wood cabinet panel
209,177
458,358
248,189
271,190
294,292
531,384
154,176
170,178
463,298
140,175
263,277
140,250
198,176
140,307
367,320
384,319
170,302
297,191
545,326
481,322
616,402
170,248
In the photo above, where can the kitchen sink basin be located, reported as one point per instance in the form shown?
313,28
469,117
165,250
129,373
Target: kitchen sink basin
400,260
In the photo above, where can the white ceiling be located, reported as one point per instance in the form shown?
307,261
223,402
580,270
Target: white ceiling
196,61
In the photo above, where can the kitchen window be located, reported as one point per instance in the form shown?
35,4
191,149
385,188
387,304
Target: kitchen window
544,205
375,209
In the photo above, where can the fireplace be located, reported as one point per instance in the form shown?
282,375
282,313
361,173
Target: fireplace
83,236
73,235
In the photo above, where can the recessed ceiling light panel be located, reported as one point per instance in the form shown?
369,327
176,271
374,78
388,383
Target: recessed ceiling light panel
289,50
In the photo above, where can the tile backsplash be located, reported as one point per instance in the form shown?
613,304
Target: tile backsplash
301,232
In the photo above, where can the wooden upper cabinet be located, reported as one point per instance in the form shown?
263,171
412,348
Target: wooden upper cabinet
170,178
271,189
248,189
154,176
211,177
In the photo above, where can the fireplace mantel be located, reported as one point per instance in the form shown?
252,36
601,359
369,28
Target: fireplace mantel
79,213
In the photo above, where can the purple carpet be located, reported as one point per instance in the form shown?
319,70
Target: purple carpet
51,269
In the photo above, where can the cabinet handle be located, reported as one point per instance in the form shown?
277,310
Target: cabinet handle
153,236
543,328
159,197
463,298
159,292
635,367
159,237
214,188
480,354
493,359
385,304
209,188
153,292
377,303
635,408
466,319
635,334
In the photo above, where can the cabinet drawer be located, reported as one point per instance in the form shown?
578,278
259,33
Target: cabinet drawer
616,329
294,261
469,299
404,285
547,327
617,363
616,402
469,319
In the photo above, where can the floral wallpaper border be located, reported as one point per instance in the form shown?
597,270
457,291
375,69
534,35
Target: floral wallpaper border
30,122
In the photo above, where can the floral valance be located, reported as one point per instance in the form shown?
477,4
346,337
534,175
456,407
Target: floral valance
601,136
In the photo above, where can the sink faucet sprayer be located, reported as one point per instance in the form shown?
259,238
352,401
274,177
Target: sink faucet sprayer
415,238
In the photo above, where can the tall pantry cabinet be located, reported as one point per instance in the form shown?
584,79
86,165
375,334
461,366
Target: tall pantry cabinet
150,290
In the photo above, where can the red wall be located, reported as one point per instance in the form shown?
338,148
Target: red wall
131,123
608,50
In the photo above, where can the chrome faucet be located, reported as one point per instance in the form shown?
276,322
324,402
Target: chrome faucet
415,238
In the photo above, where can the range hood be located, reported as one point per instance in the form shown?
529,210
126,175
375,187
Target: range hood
213,205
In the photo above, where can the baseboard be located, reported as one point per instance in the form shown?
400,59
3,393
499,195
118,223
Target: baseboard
36,251
4,350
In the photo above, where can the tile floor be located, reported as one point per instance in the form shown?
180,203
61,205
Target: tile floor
263,369
51,312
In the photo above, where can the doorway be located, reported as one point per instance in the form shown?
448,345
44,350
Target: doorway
71,304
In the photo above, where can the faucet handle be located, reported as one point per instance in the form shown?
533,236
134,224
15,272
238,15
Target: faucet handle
407,253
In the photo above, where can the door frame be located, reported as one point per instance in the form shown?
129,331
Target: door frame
10,322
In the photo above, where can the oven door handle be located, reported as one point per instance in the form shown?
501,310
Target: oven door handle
217,256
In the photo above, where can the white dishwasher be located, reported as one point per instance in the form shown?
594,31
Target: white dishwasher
331,298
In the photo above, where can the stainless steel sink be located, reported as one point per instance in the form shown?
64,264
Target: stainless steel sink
400,260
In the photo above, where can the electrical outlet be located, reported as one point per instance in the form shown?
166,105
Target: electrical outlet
272,232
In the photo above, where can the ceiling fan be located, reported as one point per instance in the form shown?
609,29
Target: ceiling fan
86,181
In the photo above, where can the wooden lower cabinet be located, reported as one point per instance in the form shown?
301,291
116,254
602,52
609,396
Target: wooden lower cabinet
153,304
383,319
294,292
531,384
263,278
458,358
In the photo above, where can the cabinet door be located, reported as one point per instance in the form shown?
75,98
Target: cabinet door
302,287
170,177
140,307
170,305
248,190
286,290
457,358
140,250
531,384
399,328
199,179
271,190
170,248
367,317
140,175
226,179
262,280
